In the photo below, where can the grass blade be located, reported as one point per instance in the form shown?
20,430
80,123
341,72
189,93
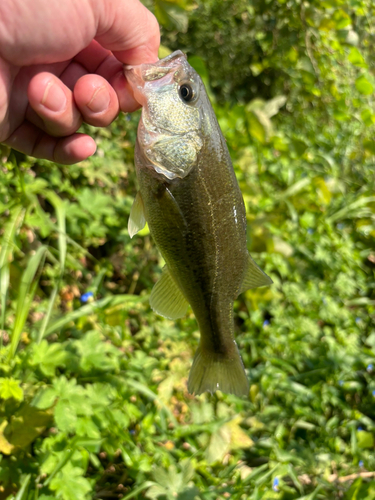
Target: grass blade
136,491
47,316
7,245
347,210
295,188
143,389
22,493
62,244
312,495
92,308
59,207
4,285
26,293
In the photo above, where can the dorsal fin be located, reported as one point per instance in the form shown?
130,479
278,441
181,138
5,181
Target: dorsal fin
166,297
137,219
254,276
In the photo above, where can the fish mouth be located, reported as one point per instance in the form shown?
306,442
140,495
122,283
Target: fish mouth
138,75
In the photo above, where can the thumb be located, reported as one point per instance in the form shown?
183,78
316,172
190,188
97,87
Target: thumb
128,29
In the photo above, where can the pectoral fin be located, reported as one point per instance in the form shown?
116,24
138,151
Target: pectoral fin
137,219
254,276
167,299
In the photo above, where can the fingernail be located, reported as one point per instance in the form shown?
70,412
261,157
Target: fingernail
100,100
54,97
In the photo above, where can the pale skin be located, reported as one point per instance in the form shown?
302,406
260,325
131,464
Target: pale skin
61,64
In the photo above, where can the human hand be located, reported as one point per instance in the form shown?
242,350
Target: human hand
61,64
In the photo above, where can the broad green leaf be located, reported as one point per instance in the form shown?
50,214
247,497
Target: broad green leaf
365,439
272,107
10,388
368,118
323,190
219,445
256,128
171,15
341,19
239,439
96,354
48,357
44,399
164,51
65,416
369,146
364,86
356,58
26,424
361,490
299,146
70,484
5,447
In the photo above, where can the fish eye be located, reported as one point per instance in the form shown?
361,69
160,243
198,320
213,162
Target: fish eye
186,92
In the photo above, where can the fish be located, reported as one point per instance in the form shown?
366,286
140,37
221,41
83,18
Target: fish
191,200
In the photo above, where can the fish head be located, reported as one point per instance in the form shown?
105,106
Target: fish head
174,115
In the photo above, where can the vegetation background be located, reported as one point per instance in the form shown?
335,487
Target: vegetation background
93,384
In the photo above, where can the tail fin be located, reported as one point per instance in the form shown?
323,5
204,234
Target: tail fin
212,372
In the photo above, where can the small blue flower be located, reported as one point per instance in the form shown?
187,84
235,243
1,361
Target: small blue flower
265,323
340,225
359,428
373,393
310,231
360,463
87,297
275,484
370,367
341,383
357,320
132,432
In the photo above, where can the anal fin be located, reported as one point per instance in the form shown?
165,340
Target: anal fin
254,276
137,219
166,297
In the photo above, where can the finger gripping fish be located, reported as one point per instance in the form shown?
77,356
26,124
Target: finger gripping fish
191,200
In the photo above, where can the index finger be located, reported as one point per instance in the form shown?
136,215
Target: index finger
98,60
127,29
93,56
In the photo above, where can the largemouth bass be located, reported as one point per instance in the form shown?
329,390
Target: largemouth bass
191,200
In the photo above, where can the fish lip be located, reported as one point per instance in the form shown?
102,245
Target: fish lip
177,54
135,74
161,63
139,75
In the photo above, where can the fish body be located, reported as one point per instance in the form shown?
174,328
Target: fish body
191,200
